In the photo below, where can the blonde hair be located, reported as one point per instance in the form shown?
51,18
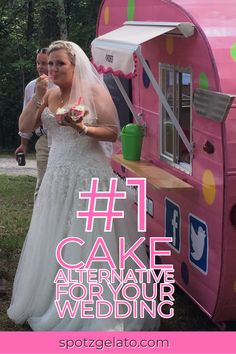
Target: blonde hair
57,45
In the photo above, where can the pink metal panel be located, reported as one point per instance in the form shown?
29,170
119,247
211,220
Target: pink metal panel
202,287
211,56
230,141
226,306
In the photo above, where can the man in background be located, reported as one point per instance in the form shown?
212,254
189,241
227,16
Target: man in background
41,147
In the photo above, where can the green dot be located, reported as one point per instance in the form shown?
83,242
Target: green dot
233,51
203,81
131,8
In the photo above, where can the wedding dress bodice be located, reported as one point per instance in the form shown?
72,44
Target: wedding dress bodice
69,148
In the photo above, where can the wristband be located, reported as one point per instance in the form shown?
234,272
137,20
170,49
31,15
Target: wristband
84,131
37,102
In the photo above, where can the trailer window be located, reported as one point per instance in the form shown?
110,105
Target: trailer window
124,114
176,85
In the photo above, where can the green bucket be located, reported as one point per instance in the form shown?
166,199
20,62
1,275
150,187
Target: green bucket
131,140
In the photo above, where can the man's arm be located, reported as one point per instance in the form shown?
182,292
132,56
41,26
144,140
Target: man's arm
25,137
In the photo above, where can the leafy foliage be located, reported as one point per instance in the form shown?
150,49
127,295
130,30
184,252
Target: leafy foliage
26,25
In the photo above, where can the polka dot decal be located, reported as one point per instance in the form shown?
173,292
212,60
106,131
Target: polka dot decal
233,51
107,15
185,273
131,10
203,81
146,80
169,45
208,187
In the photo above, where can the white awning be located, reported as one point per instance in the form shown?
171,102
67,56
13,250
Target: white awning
115,51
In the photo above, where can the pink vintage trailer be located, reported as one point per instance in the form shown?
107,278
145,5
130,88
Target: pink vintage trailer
177,61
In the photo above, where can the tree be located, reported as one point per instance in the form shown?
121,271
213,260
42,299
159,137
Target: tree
26,25
30,21
49,29
62,20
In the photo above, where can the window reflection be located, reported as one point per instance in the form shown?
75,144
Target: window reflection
176,85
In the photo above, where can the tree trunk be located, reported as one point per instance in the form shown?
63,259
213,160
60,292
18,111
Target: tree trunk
30,20
62,20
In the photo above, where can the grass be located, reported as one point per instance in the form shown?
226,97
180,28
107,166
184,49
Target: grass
16,200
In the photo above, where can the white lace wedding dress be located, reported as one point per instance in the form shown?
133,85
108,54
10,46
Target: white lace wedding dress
73,161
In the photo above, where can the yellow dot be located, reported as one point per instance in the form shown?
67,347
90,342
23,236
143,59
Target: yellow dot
169,44
234,286
208,187
106,15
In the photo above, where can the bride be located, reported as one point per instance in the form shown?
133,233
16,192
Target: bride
76,156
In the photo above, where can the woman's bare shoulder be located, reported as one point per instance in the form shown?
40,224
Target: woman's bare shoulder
52,97
52,92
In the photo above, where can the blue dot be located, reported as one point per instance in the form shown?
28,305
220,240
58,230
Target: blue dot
146,80
184,273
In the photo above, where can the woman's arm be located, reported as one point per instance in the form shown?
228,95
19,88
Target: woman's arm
101,133
30,117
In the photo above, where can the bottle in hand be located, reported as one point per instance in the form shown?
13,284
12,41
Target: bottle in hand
20,157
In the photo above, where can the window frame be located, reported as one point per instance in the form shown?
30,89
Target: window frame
173,157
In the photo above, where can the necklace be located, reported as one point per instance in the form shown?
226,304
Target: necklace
63,101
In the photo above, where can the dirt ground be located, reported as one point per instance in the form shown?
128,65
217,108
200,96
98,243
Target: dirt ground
9,166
